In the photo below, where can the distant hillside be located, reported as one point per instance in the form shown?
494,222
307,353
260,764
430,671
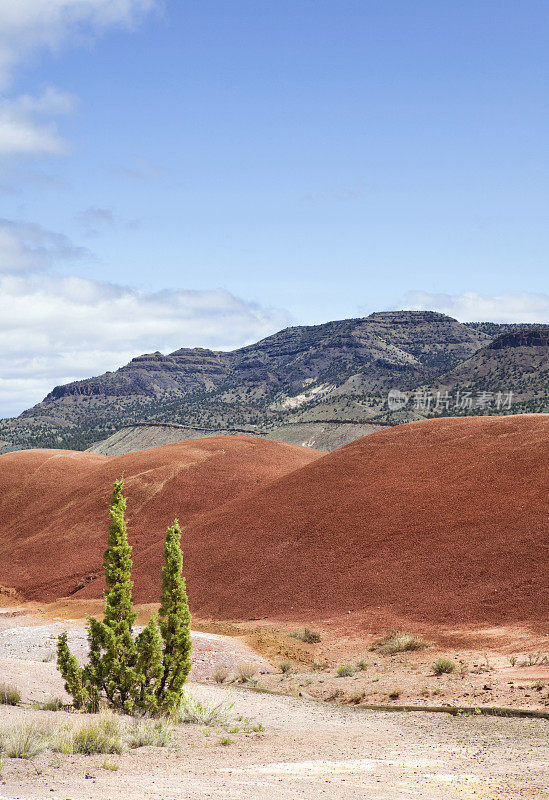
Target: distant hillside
517,361
49,551
319,435
338,372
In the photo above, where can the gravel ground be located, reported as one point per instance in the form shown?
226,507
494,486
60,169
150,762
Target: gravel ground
23,638
279,748
305,750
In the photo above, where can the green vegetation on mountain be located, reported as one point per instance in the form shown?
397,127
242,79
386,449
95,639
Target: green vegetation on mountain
335,372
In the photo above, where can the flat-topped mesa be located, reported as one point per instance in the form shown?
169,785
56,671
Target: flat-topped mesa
408,317
538,337
202,358
156,357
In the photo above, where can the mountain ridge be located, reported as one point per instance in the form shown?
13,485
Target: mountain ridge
340,371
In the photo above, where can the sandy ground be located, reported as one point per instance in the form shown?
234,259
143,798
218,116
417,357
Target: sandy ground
278,746
304,750
28,654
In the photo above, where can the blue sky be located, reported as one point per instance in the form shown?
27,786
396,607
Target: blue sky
203,173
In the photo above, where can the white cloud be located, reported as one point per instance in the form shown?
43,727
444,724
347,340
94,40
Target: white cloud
56,328
472,307
25,247
28,26
95,219
22,132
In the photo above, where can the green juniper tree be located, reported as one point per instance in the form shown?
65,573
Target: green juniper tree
72,672
175,623
112,646
148,666
146,672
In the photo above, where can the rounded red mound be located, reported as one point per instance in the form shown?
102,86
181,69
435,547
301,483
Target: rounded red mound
441,521
54,513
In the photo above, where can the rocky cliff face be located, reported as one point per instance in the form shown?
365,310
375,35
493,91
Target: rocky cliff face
516,361
341,370
522,338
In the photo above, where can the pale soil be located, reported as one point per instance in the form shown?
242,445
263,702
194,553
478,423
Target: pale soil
28,654
307,751
300,749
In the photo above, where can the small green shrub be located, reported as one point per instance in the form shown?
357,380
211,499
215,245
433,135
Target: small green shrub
226,741
345,671
9,695
319,666
285,667
51,704
193,711
113,766
538,686
443,665
394,694
399,642
362,665
106,734
24,740
311,637
512,660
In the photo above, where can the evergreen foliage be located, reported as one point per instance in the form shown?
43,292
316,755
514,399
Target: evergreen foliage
145,673
175,622
71,672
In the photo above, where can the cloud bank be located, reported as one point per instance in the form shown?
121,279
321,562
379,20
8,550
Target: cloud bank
56,328
473,307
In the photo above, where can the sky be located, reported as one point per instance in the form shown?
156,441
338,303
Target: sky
206,172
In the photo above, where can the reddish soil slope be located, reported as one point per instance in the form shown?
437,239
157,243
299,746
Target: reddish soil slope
54,517
441,521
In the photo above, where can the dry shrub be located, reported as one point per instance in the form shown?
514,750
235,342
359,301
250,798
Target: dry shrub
221,674
311,637
194,711
399,642
24,739
9,695
443,666
246,671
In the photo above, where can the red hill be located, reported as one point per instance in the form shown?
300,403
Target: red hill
442,521
53,503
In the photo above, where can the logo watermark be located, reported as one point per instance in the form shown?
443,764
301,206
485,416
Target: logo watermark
425,400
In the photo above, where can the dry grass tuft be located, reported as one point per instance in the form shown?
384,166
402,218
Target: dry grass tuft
24,739
399,642
9,695
193,711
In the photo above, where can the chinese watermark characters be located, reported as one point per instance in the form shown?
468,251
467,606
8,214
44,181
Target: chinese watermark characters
439,402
